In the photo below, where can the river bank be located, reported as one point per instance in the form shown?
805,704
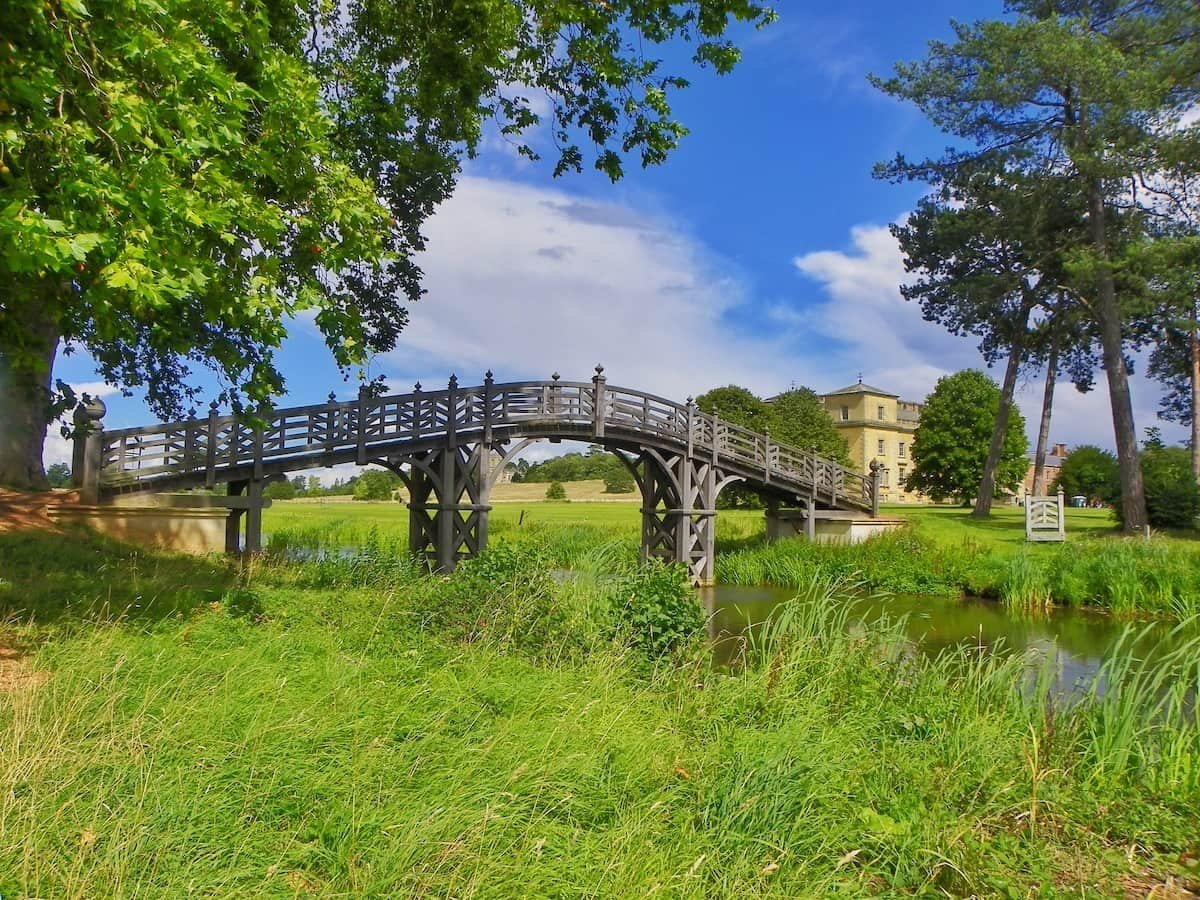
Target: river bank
943,552
348,726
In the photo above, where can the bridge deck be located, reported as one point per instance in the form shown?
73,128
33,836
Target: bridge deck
217,449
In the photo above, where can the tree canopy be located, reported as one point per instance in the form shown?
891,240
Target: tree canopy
1095,91
951,442
375,484
794,417
595,464
179,180
1089,472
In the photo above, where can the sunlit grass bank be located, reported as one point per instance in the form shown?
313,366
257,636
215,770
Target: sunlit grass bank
348,726
1122,575
944,551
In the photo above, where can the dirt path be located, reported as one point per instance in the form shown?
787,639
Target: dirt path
19,510
15,672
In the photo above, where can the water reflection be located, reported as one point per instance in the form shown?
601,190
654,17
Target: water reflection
1075,641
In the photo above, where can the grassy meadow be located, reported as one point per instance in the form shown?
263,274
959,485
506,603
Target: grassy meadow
346,726
943,551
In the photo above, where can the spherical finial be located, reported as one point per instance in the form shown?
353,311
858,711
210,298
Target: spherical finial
555,376
192,413
599,369
332,397
214,406
488,375
690,400
90,409
417,388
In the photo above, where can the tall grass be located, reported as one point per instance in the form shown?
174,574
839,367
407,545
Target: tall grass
479,735
1125,576
899,562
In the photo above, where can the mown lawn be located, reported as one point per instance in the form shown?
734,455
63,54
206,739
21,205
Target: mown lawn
944,524
1005,527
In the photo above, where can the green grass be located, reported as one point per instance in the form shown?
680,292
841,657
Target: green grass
954,525
348,727
945,551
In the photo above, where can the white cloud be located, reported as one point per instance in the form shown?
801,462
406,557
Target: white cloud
527,281
889,341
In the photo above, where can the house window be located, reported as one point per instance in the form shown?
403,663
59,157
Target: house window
845,414
881,415
881,450
903,449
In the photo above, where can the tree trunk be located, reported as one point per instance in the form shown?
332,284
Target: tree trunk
25,398
1195,346
1112,342
1039,465
987,486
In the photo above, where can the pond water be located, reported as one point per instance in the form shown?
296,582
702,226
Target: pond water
1078,641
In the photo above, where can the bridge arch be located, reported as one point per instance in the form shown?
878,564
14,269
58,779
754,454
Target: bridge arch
441,443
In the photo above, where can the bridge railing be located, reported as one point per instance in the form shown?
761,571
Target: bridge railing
138,457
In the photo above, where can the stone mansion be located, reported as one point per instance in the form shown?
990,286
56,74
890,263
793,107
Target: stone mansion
878,427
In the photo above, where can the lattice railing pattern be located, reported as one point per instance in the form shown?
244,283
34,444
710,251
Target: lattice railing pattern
298,437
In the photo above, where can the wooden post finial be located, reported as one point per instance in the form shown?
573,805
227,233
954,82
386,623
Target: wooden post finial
555,377
453,383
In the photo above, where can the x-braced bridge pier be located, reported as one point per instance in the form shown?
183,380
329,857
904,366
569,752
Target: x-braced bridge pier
444,445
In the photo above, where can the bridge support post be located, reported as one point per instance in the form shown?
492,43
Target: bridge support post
233,522
449,491
679,512
250,511
254,515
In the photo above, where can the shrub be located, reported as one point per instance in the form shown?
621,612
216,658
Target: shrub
375,484
1172,495
1090,472
280,490
556,491
654,608
618,481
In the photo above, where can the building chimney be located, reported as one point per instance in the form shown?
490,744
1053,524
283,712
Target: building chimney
1060,450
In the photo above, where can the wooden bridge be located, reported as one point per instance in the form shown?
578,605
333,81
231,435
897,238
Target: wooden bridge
443,444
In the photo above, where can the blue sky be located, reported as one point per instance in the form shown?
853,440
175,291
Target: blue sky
758,254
